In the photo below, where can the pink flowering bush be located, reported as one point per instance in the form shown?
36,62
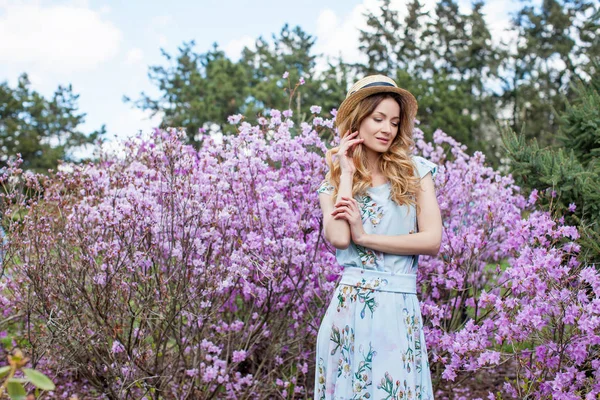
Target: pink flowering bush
177,272
183,273
506,293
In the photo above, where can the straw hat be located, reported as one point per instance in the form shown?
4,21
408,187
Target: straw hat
375,84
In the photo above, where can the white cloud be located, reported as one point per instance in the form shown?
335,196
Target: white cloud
339,35
130,121
63,38
134,56
234,48
80,3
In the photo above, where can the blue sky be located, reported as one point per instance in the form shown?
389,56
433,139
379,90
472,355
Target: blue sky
104,48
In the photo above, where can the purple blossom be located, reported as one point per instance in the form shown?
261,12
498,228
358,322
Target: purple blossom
301,81
533,197
315,109
572,207
117,347
285,75
235,119
239,355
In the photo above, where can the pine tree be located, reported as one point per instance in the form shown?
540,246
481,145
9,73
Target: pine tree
556,42
572,173
42,130
197,90
201,89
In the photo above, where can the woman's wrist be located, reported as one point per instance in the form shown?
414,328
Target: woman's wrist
360,239
347,175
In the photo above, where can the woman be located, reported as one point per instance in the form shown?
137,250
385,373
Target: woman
380,212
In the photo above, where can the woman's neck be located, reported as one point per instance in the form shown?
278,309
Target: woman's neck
373,162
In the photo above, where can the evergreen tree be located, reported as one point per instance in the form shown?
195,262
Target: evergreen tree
580,124
42,130
197,89
569,175
380,43
556,42
202,89
291,51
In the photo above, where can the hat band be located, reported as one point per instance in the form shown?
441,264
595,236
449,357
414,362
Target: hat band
374,84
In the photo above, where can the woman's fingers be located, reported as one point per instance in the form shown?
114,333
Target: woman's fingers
339,210
344,215
348,137
354,141
351,202
344,203
349,145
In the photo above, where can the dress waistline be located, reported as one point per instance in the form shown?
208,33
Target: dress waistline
380,281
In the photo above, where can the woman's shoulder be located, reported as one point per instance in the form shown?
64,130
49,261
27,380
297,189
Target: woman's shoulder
424,166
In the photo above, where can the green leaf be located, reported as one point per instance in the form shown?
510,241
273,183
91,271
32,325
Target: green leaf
4,371
38,379
18,380
16,391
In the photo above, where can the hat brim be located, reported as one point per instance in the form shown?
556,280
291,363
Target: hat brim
410,103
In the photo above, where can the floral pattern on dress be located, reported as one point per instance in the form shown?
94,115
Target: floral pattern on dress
412,357
326,188
362,376
395,390
321,371
362,291
368,257
370,211
354,375
346,294
344,341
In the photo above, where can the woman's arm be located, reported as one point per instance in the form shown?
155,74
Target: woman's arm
427,241
337,231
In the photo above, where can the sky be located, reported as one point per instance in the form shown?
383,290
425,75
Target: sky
103,48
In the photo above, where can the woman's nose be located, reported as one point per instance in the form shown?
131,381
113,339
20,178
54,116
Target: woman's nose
387,127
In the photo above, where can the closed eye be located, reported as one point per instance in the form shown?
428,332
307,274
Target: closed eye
395,124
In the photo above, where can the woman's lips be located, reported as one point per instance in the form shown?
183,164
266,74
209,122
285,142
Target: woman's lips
382,140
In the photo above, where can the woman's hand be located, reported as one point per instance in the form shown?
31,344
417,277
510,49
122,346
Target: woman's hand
348,209
347,145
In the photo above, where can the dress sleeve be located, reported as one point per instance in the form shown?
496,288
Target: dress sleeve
425,166
326,188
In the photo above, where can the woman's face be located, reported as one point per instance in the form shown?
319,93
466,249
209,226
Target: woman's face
380,128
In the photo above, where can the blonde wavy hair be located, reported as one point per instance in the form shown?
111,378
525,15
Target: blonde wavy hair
396,164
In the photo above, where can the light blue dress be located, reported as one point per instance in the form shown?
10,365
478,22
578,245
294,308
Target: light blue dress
370,343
